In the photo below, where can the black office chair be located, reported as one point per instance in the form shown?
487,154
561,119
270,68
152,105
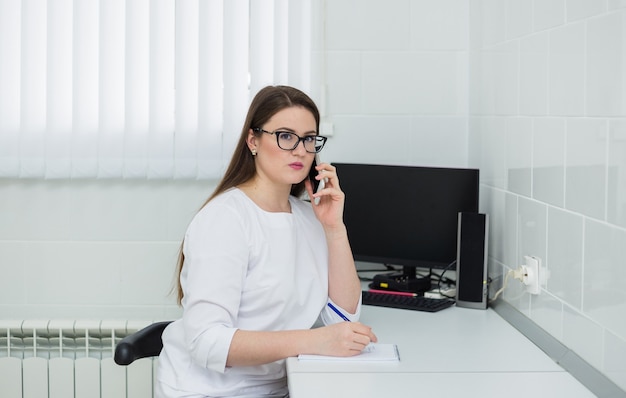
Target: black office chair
141,344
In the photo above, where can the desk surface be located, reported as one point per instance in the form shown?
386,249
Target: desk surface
456,350
446,385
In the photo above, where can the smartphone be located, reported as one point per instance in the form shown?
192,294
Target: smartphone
317,185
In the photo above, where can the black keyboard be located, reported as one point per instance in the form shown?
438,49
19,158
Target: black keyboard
418,303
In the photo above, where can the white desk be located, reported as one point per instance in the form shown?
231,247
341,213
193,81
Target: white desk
450,353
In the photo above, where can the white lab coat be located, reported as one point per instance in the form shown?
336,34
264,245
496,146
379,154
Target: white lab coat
247,269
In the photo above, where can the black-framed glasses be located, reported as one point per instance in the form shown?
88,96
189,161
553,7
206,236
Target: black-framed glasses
288,141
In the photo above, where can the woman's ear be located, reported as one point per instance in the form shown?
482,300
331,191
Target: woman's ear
251,140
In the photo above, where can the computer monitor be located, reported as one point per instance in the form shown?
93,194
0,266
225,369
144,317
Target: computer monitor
406,216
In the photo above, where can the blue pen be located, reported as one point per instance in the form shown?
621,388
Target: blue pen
332,307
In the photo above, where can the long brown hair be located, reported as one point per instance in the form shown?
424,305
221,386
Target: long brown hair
269,101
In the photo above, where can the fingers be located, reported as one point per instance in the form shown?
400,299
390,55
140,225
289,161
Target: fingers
327,172
344,338
363,335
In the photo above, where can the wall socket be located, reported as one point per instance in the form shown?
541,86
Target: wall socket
531,270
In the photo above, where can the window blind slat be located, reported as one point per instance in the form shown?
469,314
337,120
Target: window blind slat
33,88
162,83
86,89
59,89
112,88
299,56
137,70
10,38
210,90
281,41
187,47
236,76
262,27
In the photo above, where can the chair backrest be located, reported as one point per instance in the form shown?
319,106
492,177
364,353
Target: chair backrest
141,344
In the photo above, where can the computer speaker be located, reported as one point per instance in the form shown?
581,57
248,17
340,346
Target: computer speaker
471,260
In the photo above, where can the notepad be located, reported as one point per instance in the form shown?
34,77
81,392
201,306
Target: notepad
374,352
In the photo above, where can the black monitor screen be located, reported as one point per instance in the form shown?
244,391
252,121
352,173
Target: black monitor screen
407,216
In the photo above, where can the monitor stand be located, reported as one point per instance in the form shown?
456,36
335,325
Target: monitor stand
405,281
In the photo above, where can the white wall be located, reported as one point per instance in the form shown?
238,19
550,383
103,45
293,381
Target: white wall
548,131
397,81
92,249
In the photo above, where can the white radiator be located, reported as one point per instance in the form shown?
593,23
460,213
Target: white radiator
70,359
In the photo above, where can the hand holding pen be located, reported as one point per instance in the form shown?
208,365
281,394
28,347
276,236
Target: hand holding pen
344,338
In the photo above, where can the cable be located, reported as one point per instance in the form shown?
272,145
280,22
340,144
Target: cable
388,268
517,274
440,278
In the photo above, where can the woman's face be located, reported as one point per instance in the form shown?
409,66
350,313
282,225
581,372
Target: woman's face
281,166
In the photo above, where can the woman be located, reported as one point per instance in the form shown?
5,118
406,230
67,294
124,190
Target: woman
259,266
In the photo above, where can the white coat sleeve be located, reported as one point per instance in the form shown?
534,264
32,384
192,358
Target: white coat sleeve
216,259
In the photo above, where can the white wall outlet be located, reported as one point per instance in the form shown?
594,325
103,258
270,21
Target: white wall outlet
327,129
531,274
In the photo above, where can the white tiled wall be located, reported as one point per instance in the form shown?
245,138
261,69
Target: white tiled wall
548,90
396,76
92,249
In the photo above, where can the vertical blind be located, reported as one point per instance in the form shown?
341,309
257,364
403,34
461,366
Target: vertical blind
139,88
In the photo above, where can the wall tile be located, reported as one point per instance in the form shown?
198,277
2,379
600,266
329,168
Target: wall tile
439,25
432,136
548,14
474,144
564,260
549,160
386,25
492,202
511,227
477,104
579,9
184,199
62,273
369,139
343,25
616,200
493,152
547,312
606,66
604,294
585,172
617,4
567,66
519,155
519,18
532,236
344,82
515,294
500,70
419,84
147,273
13,280
493,22
534,75
583,336
368,25
34,209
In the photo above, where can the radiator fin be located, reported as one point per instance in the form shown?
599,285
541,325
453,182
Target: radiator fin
61,359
